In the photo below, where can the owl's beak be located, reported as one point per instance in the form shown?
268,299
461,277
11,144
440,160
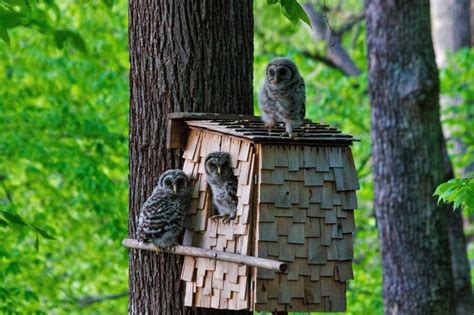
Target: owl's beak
175,188
219,170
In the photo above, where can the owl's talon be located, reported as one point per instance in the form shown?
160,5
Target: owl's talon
269,127
216,217
228,219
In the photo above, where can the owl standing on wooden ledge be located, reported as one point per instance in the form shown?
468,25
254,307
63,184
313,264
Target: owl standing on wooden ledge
162,215
282,97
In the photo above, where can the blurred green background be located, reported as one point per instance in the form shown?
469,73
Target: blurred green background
64,136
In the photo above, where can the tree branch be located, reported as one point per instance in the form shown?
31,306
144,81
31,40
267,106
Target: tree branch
270,264
336,53
353,20
91,299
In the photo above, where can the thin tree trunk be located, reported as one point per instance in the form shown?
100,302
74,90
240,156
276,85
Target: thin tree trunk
408,159
450,21
184,56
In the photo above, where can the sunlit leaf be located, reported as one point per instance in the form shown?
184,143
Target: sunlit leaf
294,12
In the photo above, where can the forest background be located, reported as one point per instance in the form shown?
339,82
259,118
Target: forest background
64,100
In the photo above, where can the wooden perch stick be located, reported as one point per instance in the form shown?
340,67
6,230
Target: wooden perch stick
274,265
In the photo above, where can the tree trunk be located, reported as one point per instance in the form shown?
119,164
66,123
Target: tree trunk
450,22
184,56
458,245
408,159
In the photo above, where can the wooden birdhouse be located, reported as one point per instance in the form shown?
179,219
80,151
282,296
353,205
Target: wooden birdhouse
295,204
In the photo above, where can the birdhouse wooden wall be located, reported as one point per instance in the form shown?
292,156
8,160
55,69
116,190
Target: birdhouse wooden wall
306,198
295,204
211,283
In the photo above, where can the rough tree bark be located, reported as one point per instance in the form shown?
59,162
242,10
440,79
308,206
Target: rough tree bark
184,56
408,159
450,22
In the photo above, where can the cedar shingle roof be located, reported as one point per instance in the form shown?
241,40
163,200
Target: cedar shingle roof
252,128
309,133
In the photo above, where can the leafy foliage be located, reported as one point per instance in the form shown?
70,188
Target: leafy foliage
459,191
63,167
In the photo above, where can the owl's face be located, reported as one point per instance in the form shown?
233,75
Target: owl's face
218,164
279,74
174,181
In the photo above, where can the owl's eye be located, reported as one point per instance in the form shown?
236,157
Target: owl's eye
167,182
271,72
180,182
212,165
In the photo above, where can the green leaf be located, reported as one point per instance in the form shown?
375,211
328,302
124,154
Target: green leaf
442,189
3,223
4,36
13,218
294,11
43,233
10,19
61,36
272,2
301,14
37,243
31,296
79,42
21,3
109,3
13,267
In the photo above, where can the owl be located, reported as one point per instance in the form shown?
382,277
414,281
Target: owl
282,97
162,215
223,185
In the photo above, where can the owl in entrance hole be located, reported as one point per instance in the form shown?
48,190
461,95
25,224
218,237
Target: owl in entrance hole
162,215
282,97
223,184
